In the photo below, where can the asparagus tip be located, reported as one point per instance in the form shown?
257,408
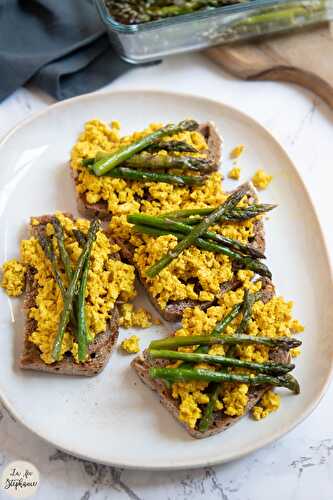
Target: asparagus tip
290,382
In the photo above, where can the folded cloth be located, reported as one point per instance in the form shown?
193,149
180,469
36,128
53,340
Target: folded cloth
59,45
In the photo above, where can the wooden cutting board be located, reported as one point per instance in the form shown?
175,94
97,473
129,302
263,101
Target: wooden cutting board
304,58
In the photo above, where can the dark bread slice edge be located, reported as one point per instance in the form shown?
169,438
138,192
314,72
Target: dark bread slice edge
174,310
100,209
100,349
221,422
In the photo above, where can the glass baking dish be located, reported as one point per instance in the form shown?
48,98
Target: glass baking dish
146,42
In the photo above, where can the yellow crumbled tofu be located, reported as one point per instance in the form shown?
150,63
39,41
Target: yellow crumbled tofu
269,402
13,279
295,352
131,344
131,317
261,179
235,400
237,152
234,173
115,124
217,349
218,405
191,396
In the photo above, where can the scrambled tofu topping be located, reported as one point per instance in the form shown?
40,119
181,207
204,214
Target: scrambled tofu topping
273,319
235,400
237,152
13,279
234,173
295,352
129,316
191,395
131,344
261,179
108,280
268,403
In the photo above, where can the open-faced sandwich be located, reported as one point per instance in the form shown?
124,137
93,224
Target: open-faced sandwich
222,363
73,279
151,170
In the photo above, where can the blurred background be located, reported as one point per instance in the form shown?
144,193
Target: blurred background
78,46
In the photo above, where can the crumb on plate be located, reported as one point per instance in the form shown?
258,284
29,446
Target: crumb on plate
131,344
237,152
234,173
261,179
13,279
131,317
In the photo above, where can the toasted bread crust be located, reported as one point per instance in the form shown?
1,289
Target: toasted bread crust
221,422
100,349
174,310
100,209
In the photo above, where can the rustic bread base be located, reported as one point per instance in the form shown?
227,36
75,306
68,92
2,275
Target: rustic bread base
100,349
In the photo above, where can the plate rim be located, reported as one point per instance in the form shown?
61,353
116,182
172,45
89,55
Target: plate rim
277,434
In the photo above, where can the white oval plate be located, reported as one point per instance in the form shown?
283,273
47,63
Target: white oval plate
113,418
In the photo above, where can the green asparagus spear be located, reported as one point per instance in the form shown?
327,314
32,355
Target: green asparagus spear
269,367
158,162
222,325
285,15
196,232
207,416
83,336
123,154
68,299
81,239
245,261
59,234
181,375
249,300
139,175
180,227
175,341
172,147
48,251
232,215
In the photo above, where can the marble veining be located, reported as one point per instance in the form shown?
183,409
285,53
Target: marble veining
291,468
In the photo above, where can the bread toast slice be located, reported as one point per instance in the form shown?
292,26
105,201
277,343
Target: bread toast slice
100,209
221,422
174,310
100,349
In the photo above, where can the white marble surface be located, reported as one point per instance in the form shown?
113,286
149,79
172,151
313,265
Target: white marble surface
301,464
